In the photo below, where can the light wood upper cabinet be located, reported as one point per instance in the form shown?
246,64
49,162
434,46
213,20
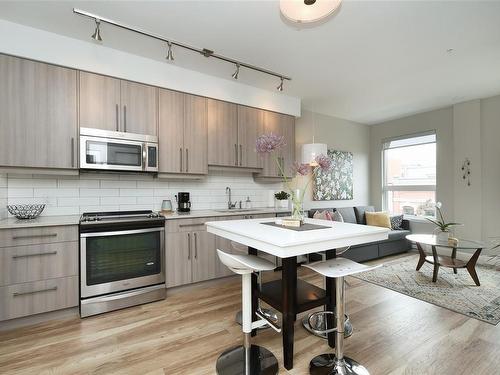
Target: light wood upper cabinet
100,102
140,108
250,127
182,133
222,133
195,134
284,125
171,131
38,114
112,104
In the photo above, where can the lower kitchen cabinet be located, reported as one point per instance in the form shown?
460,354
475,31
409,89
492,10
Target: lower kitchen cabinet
205,259
178,259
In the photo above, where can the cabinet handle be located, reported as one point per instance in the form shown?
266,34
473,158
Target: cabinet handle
180,152
241,155
34,236
235,154
72,152
117,119
125,118
187,160
33,255
17,294
189,246
190,225
195,246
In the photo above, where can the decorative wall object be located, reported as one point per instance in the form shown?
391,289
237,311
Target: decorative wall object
466,170
336,183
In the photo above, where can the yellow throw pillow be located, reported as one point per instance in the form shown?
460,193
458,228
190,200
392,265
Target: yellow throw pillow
378,219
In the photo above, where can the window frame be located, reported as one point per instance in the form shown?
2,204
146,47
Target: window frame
387,188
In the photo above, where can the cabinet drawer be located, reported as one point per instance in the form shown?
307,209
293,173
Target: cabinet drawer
38,297
22,264
187,225
38,235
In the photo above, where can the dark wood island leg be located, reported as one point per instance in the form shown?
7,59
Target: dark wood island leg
289,296
330,306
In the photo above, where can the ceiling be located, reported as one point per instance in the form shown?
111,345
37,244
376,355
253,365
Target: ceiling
371,62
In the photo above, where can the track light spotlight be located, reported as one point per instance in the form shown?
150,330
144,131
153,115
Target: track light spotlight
280,86
170,55
97,33
236,72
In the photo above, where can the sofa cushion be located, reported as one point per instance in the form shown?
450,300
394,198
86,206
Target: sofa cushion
360,213
396,222
323,215
348,214
378,219
314,211
398,234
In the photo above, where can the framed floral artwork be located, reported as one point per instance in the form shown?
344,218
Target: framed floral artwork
337,182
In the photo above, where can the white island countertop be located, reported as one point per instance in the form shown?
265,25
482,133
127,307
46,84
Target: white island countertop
284,242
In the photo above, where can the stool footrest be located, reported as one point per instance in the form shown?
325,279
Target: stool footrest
324,331
264,318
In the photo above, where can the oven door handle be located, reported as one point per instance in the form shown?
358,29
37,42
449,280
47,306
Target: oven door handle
122,232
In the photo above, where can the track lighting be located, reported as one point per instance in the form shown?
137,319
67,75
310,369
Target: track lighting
171,43
280,86
170,55
236,72
97,33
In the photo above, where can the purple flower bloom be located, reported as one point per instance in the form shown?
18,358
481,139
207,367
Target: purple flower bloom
268,143
324,162
301,169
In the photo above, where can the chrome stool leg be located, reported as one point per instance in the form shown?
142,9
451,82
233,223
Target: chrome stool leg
247,359
337,364
318,325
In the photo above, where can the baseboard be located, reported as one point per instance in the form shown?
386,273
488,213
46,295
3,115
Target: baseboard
38,318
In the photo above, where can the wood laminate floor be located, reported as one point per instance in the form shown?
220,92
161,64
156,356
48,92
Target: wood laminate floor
184,334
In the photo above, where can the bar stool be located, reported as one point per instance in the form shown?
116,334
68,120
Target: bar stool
337,364
268,313
247,359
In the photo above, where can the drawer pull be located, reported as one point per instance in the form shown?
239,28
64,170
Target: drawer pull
190,225
17,294
33,255
34,236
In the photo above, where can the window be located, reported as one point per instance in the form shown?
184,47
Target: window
409,175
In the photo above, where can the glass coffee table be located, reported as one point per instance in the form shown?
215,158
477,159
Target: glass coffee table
447,261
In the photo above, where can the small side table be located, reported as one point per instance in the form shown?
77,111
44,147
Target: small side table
447,261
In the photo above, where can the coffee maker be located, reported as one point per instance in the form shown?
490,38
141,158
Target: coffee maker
183,203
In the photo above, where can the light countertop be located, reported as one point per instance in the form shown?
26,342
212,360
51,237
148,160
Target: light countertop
48,221
284,242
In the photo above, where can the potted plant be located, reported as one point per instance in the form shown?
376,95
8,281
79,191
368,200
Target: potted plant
281,199
442,227
268,144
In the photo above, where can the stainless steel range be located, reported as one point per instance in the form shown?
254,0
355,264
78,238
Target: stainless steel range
122,260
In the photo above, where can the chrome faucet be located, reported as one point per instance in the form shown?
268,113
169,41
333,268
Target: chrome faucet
230,204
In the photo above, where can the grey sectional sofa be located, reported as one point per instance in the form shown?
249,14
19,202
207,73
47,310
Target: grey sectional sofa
396,243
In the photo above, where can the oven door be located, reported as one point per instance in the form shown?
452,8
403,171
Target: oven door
121,260
111,154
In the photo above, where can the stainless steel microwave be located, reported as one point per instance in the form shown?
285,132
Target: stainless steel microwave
118,151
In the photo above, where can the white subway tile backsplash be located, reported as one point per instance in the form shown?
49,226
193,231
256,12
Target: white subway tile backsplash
90,192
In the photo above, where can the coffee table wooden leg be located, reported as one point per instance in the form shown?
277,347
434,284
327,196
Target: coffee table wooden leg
436,264
471,266
454,256
421,260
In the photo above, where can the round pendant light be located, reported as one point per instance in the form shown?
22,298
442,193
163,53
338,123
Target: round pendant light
305,11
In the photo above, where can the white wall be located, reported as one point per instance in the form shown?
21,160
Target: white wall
342,135
23,41
68,195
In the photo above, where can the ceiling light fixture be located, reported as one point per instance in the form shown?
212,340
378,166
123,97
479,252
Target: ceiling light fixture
306,11
170,55
97,33
280,86
236,72
203,51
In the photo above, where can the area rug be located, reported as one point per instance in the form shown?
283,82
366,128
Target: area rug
454,292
